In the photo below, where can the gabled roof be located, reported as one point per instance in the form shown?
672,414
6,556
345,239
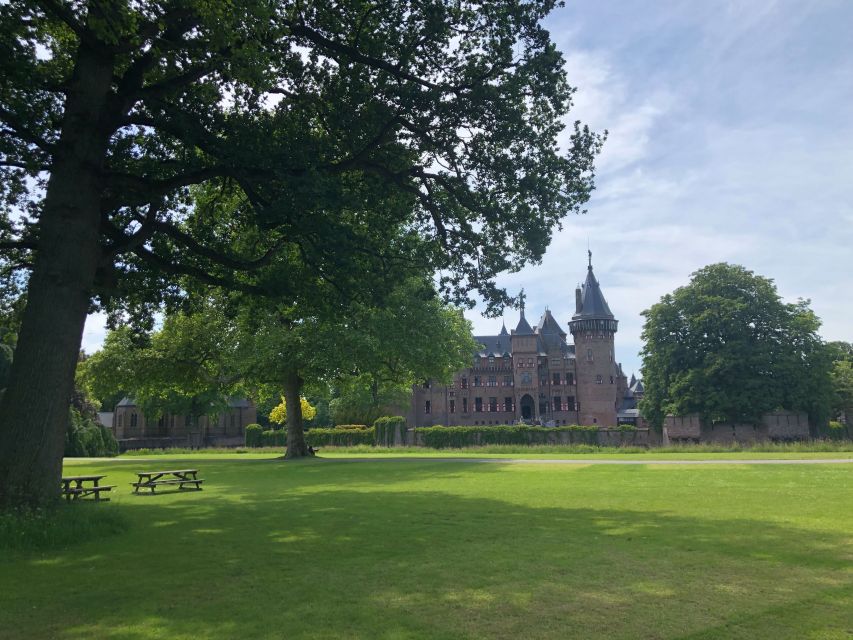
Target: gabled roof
547,325
593,304
637,387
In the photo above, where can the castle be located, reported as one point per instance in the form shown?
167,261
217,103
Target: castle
534,375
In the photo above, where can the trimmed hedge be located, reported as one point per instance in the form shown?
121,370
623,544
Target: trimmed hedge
316,437
460,437
338,437
254,435
385,428
357,427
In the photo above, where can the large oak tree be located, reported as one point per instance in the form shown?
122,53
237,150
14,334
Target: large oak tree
111,111
727,347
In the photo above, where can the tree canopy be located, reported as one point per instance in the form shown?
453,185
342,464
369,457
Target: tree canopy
337,141
727,347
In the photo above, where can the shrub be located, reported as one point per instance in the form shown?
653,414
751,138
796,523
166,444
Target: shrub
254,435
459,437
358,427
837,430
339,437
277,438
85,438
384,429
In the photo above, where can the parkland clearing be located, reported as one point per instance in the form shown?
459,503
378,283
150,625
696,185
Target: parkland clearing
418,548
298,340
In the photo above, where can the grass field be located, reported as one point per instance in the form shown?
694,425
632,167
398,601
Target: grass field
431,549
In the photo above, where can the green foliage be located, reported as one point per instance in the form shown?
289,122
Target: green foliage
274,438
836,430
6,356
278,415
254,435
726,347
384,429
85,438
460,437
338,437
842,388
357,427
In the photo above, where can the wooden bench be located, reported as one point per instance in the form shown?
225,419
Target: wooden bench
181,477
74,487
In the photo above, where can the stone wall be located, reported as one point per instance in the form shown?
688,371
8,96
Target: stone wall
783,425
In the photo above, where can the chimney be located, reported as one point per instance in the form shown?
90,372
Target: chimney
578,303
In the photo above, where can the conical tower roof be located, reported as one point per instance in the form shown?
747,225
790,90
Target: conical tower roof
523,328
593,304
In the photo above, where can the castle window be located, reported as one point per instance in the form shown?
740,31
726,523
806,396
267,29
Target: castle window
598,379
611,379
543,381
133,419
427,407
478,405
507,404
491,360
507,381
464,383
121,419
543,407
453,406
476,381
464,405
589,355
595,421
452,394
558,405
530,362
555,362
493,381
556,378
526,378
570,378
493,404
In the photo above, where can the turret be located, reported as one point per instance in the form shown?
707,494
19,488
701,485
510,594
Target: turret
593,328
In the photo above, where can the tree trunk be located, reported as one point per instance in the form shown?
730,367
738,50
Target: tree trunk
34,408
296,446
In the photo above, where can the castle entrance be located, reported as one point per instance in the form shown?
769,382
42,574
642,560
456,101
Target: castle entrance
526,407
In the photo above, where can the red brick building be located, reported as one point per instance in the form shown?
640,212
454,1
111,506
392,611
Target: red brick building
535,375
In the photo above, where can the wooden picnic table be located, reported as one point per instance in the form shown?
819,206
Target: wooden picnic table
74,487
180,477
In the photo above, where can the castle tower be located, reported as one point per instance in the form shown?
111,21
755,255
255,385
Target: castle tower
593,329
525,356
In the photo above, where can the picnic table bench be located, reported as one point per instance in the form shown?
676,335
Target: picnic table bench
74,487
180,477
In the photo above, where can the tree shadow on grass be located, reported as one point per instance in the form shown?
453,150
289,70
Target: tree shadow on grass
346,556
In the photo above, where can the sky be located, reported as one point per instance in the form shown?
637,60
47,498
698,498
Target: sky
730,139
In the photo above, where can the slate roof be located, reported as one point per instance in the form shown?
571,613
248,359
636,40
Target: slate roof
523,328
593,304
494,345
638,387
547,325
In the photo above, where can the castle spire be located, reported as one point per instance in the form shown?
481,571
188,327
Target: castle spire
523,327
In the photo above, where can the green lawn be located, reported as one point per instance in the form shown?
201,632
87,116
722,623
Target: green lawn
430,549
